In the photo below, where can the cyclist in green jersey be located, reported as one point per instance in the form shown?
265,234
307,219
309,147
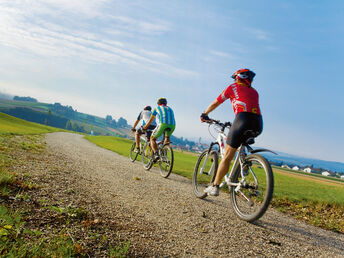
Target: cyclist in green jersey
165,124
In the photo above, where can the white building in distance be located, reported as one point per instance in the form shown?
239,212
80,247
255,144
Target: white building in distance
308,170
325,173
296,168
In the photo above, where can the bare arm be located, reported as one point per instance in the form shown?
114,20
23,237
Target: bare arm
135,124
212,106
151,119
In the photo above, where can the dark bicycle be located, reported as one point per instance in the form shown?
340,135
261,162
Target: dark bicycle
166,157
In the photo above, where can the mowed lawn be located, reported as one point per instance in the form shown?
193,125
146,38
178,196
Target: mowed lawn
295,189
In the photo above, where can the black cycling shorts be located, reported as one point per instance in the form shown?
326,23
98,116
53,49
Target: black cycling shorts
148,131
244,121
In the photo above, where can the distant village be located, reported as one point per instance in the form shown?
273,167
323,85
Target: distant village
199,147
310,169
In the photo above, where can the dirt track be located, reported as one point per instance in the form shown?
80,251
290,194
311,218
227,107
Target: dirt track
164,217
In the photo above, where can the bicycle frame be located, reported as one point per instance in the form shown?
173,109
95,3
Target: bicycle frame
239,159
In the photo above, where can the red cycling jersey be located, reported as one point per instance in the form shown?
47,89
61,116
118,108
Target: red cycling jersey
243,98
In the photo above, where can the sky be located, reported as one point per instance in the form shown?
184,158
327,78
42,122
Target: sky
109,57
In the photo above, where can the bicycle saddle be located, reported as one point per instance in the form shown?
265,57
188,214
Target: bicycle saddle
250,135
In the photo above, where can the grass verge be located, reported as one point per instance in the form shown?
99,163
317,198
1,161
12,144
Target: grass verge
14,126
31,226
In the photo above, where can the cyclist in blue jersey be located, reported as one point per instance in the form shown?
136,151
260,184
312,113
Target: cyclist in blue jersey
165,124
144,115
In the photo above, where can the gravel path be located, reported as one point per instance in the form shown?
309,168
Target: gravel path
165,217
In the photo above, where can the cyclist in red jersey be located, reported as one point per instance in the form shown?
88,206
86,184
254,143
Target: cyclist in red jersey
245,102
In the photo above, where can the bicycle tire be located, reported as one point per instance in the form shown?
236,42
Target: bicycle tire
202,180
147,156
132,153
166,160
259,189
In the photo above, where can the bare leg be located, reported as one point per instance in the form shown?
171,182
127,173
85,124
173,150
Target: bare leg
137,139
153,144
224,164
167,140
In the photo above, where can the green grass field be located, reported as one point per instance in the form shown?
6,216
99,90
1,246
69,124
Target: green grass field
305,199
13,125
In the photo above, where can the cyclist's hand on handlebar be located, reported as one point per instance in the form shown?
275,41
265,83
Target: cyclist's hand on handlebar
228,124
204,117
133,129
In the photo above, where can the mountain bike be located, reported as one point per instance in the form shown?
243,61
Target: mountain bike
133,154
166,157
250,180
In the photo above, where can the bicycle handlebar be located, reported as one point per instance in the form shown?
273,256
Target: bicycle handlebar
217,122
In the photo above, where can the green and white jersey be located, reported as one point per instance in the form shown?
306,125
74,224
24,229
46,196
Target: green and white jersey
164,115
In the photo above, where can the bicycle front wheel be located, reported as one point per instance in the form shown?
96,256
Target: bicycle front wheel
166,160
147,156
132,153
204,172
252,198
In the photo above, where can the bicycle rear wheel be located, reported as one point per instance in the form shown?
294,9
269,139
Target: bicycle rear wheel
204,172
251,200
166,160
132,153
147,156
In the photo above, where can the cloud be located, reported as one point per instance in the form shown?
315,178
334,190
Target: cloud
27,28
221,54
259,34
155,26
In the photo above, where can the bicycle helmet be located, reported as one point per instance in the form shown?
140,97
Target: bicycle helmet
244,74
162,101
147,108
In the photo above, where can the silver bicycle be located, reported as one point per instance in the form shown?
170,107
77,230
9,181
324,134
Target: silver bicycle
144,138
250,180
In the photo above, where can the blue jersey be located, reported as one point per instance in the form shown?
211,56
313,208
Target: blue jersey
164,115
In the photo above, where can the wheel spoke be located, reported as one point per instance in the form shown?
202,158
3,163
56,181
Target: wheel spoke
251,198
204,173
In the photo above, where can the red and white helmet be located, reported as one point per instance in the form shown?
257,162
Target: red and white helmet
244,74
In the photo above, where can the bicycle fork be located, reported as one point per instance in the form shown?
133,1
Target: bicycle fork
202,170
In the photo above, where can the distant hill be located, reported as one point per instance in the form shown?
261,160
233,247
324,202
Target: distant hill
293,160
10,124
64,117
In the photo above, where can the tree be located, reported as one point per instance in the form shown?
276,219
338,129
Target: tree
122,122
90,118
69,125
48,118
108,119
17,98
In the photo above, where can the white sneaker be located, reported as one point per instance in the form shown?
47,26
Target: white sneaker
137,150
212,190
